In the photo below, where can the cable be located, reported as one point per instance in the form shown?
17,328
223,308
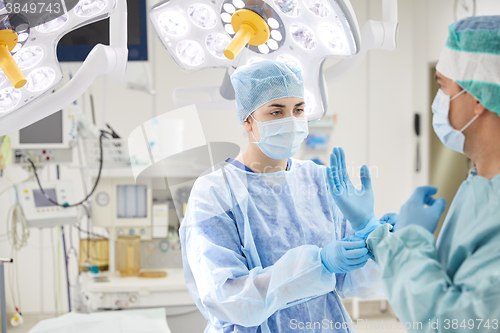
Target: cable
65,205
16,218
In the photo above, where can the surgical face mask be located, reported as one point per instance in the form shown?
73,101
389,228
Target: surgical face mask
281,139
450,137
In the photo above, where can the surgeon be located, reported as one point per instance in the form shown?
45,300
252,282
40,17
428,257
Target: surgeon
454,285
264,246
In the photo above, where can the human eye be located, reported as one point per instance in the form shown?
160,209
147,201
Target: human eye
276,113
299,111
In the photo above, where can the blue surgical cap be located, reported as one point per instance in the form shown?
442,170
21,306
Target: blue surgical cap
472,58
262,82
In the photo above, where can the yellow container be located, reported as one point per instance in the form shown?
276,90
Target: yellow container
128,255
95,252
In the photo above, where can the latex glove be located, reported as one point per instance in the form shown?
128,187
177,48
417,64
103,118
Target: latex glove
373,224
414,211
345,255
390,218
356,205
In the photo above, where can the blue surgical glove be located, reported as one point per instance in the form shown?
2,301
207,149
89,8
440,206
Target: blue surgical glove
414,211
345,255
357,206
373,224
390,218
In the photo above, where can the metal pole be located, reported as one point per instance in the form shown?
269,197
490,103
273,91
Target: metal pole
67,270
3,306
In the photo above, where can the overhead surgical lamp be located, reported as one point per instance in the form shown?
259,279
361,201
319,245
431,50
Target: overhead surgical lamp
201,34
30,69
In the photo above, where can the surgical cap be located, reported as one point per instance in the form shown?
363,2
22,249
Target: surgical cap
472,58
262,82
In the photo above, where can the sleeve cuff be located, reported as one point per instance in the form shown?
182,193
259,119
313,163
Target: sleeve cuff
373,224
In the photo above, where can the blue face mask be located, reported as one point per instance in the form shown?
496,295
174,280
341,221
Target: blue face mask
281,139
450,137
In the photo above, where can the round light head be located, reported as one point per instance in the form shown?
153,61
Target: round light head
288,7
318,7
217,43
173,24
29,57
334,38
88,8
40,79
9,98
202,15
190,52
51,23
303,35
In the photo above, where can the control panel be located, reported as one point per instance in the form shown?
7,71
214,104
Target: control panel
39,211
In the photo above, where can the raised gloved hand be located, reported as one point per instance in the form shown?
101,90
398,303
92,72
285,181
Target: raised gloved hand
390,218
345,255
356,205
414,211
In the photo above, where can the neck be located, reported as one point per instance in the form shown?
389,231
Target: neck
485,152
259,162
488,162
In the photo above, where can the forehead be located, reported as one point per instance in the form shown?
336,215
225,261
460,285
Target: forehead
287,101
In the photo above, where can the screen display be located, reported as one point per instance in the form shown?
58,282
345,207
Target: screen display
131,201
47,130
41,201
72,46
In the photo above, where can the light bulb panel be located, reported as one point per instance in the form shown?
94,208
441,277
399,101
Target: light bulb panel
36,51
303,33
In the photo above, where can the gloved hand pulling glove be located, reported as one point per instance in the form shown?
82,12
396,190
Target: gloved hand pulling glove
345,255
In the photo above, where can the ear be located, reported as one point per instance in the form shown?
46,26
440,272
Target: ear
247,124
479,109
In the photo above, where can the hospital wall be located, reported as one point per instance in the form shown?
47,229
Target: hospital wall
374,103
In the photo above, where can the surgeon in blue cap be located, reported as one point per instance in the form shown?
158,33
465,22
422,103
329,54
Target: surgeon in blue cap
452,285
264,246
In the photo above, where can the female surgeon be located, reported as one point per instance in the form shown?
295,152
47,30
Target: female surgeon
265,248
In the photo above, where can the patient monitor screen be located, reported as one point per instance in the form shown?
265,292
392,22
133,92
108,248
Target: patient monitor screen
41,201
47,130
131,201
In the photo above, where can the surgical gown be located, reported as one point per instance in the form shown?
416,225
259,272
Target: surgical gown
454,285
251,251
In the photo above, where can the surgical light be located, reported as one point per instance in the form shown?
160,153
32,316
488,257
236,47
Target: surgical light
190,52
34,56
52,24
333,38
88,8
202,15
288,7
303,36
217,43
29,57
318,7
302,33
40,79
173,24
9,98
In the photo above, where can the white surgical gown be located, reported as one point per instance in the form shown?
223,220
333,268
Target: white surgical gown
251,251
454,286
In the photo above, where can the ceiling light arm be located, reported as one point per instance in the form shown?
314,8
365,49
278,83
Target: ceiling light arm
374,35
101,60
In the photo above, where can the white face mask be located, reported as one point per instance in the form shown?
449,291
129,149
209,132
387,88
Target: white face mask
281,139
450,137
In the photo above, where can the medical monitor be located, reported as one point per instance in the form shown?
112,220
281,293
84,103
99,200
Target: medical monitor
76,45
53,132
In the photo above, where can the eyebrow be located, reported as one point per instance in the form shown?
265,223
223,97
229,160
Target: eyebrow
283,106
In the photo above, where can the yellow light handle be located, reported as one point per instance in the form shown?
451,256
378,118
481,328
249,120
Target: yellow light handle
10,67
239,41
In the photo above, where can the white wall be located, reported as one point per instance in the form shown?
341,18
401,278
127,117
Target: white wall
375,105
